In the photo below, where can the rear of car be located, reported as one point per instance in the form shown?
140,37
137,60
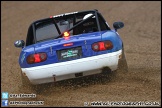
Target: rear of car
68,46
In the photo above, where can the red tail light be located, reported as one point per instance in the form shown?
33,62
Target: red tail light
36,58
101,46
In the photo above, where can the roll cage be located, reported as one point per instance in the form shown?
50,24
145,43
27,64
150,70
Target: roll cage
100,23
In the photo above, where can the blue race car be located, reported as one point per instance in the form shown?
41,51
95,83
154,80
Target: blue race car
70,45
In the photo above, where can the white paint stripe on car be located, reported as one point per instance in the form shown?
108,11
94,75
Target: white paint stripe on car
74,66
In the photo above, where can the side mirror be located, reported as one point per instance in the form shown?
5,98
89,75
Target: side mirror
118,25
19,43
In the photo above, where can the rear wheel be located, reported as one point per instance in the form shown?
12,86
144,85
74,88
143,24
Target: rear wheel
107,75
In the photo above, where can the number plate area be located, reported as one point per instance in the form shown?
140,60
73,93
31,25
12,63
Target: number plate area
69,54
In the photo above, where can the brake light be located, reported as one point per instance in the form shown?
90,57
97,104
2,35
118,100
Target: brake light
36,58
66,34
68,44
101,46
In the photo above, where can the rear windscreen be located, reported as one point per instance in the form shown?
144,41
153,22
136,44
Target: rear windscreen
46,31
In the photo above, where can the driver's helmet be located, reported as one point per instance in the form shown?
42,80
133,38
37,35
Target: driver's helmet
89,26
88,15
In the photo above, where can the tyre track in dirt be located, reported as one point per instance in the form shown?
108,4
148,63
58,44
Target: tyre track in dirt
142,41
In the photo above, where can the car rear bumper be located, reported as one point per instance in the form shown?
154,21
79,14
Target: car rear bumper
65,70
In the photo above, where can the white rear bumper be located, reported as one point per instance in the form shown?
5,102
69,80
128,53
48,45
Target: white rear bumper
66,70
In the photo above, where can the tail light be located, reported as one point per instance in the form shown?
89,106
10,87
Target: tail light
68,44
36,58
101,46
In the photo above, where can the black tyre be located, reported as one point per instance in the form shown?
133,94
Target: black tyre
108,75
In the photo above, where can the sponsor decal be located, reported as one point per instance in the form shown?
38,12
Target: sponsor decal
69,53
64,14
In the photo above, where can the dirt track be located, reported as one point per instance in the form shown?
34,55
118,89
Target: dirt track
142,40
